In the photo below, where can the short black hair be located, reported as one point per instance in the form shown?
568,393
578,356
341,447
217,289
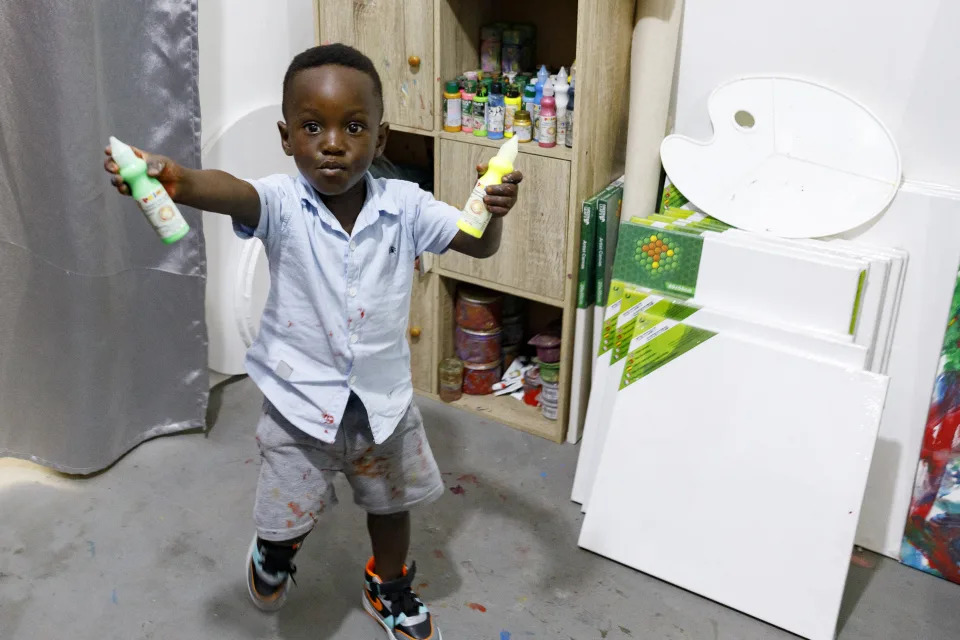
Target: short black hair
340,54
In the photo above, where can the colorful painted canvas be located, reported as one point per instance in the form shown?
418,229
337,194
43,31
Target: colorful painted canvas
931,541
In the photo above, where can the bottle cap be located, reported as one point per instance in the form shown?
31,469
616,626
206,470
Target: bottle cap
548,89
452,86
509,150
122,154
530,91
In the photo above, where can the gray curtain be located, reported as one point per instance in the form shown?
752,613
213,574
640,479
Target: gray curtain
102,336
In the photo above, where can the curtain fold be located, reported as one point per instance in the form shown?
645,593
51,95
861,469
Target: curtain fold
102,337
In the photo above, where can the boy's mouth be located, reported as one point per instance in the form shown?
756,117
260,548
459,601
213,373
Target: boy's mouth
331,168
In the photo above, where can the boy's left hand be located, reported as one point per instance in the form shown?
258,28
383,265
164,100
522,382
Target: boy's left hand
502,197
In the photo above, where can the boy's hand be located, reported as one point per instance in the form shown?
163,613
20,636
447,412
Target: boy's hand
502,197
168,172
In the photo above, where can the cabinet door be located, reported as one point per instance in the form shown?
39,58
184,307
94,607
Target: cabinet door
421,331
533,248
391,33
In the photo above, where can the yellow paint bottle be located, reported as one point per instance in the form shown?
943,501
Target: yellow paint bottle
474,218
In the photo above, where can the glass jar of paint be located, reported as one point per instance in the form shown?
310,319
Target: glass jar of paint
479,310
522,126
478,346
450,373
478,379
549,371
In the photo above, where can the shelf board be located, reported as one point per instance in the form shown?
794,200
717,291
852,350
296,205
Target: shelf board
420,132
510,412
496,286
559,153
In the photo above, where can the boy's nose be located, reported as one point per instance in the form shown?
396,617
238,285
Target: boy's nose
332,144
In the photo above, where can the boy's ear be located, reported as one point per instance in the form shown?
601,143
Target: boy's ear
383,132
284,137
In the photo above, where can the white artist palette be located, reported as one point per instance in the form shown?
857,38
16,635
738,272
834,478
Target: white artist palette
788,157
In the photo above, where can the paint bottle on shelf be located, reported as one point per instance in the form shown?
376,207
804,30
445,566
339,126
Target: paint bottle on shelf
548,118
467,94
452,121
480,111
523,126
542,76
151,197
496,117
569,132
511,106
474,218
561,95
529,94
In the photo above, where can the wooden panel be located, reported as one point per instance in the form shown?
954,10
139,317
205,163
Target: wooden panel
459,25
604,32
423,300
390,32
532,254
532,148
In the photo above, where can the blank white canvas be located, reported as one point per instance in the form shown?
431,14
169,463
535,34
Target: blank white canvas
583,356
777,284
757,451
926,223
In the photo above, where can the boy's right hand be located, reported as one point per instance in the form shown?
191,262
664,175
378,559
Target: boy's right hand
168,172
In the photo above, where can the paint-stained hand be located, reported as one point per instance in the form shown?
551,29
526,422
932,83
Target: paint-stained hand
502,197
168,172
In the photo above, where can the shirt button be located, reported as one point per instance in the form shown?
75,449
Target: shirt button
353,292
353,246
353,380
354,338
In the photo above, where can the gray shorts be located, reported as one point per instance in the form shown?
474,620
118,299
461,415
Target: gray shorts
295,486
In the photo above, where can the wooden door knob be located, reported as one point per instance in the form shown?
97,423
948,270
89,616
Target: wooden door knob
415,332
414,61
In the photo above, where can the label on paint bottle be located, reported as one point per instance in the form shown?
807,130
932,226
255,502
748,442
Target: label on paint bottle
547,130
495,119
522,132
508,118
568,140
475,212
451,113
561,130
535,116
162,213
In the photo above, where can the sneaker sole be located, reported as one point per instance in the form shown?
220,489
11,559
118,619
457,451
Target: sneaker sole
376,616
272,605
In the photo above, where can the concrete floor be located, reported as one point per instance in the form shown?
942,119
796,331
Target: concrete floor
154,548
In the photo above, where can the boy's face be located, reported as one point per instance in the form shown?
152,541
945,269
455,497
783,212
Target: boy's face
333,128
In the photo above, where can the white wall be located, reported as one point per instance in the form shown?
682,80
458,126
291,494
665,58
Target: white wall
900,59
245,47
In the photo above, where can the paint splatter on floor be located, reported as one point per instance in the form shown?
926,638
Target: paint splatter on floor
504,635
438,553
113,597
92,547
477,607
457,490
469,478
625,631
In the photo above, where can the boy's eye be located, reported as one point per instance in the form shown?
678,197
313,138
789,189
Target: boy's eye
312,127
355,128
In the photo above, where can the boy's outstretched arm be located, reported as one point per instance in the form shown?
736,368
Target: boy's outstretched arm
499,200
205,189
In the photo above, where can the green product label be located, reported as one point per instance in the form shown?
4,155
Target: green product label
622,298
659,259
672,197
651,309
662,342
856,303
585,278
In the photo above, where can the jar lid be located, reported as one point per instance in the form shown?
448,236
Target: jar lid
521,116
481,334
482,367
477,296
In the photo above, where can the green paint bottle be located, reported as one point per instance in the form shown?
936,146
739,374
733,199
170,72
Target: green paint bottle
152,198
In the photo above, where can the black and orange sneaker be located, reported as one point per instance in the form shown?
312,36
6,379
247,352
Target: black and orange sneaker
396,607
268,579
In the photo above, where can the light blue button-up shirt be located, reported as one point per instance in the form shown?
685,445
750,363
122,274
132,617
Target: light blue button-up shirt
336,316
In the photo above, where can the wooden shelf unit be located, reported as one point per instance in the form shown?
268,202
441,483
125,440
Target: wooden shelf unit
539,252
